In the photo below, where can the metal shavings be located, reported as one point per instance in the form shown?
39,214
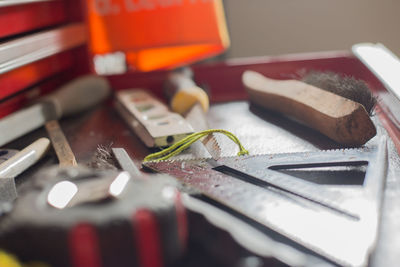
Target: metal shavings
103,159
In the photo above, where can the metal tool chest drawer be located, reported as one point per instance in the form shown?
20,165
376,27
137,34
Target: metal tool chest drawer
42,45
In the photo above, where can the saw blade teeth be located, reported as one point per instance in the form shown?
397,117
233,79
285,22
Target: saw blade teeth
213,146
174,160
165,161
343,150
190,158
307,153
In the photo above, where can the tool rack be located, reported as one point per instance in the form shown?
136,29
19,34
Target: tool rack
24,79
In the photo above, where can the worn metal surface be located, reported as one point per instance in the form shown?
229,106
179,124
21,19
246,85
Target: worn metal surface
252,186
263,132
197,119
260,132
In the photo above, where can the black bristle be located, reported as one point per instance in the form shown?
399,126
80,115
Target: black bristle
345,86
103,159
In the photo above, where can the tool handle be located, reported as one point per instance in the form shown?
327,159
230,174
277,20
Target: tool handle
76,96
60,144
25,158
183,93
79,95
339,118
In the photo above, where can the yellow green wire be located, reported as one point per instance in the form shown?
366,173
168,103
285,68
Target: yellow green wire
187,141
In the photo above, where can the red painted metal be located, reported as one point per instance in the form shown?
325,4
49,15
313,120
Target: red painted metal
223,79
181,219
76,10
18,79
15,103
16,87
23,98
15,20
23,18
147,236
83,246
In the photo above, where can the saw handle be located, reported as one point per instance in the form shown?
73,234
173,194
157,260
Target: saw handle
78,95
339,118
182,91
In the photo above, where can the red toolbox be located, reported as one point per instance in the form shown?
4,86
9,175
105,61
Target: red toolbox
45,44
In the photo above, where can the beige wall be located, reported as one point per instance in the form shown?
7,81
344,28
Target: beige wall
270,27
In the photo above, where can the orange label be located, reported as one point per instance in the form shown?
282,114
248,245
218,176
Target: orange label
157,33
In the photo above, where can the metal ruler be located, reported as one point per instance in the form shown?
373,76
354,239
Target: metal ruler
337,222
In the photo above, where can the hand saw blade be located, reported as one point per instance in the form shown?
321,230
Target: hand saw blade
319,218
190,100
197,119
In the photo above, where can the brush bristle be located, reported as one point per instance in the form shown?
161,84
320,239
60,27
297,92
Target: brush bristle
345,86
103,159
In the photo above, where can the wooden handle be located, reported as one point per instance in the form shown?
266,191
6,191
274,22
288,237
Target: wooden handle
60,144
339,118
183,93
79,95
75,96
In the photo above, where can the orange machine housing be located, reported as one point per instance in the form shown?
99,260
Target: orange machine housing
157,34
44,43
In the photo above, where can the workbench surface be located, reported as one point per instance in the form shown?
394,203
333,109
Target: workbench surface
260,131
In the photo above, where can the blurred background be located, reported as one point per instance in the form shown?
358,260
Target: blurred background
170,33
273,27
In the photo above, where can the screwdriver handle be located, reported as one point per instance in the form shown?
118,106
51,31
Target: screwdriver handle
182,91
78,95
